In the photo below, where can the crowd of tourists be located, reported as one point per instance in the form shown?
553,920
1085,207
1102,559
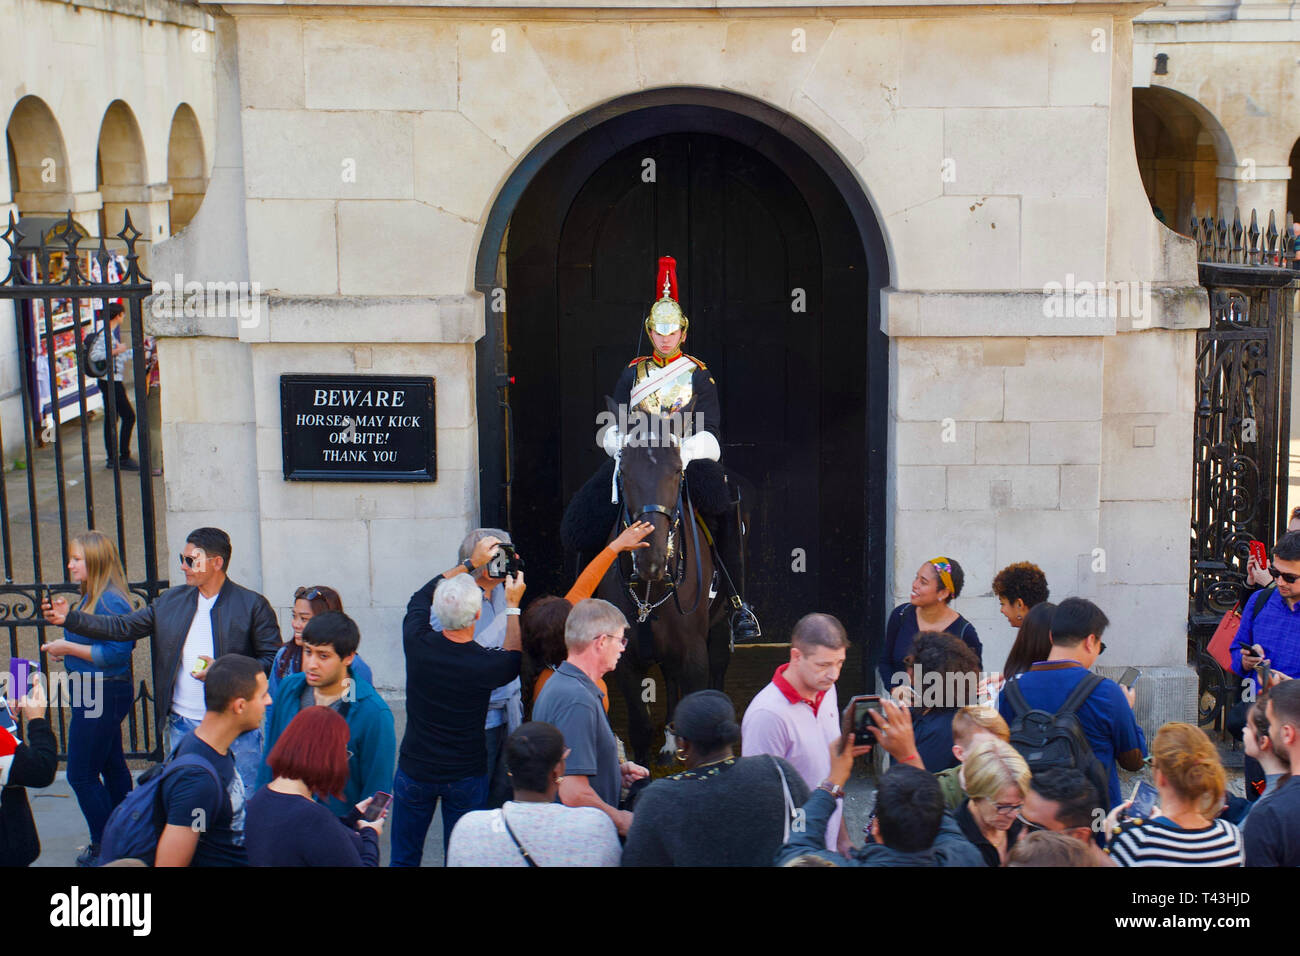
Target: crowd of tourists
282,753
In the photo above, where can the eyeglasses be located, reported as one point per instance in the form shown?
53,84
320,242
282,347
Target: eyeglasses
1288,578
622,639
1004,808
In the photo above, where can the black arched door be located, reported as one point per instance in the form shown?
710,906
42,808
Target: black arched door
777,301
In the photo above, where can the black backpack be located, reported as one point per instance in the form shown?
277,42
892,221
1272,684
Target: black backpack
1049,741
93,368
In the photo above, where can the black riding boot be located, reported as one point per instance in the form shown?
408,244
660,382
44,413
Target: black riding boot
728,549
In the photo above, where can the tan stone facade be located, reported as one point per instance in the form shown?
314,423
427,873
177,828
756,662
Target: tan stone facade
994,144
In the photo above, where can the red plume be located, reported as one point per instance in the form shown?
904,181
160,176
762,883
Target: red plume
667,271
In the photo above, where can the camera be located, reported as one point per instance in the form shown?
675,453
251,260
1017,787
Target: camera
505,562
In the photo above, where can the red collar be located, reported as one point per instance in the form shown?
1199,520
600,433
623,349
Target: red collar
792,695
661,362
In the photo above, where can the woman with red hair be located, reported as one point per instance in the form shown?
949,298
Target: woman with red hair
285,825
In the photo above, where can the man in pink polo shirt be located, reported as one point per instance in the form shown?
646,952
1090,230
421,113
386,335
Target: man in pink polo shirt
796,717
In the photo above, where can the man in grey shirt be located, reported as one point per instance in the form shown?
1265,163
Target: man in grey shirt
595,638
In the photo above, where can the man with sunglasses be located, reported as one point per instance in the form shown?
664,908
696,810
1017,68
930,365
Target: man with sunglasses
1274,628
1269,633
1106,715
1065,801
192,624
595,635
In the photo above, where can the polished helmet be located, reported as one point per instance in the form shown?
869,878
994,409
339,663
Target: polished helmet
666,316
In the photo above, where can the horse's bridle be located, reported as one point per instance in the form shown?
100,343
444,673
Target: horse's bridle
678,573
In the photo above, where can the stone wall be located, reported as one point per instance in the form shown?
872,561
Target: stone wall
102,77
997,152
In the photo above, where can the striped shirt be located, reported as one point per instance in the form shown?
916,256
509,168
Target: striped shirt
1161,842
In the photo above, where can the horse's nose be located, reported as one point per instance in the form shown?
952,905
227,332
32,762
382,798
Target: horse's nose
654,571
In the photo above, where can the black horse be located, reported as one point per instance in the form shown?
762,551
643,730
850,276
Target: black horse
663,590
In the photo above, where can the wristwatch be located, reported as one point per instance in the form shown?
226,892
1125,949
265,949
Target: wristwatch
834,789
468,565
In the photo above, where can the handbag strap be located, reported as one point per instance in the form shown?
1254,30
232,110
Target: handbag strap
789,801
528,857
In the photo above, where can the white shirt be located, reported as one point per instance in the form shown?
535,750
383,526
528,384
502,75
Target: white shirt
555,835
187,695
795,733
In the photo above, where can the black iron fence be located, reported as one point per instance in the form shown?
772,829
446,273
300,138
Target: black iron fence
61,293
1242,426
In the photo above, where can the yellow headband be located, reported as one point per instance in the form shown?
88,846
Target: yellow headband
944,567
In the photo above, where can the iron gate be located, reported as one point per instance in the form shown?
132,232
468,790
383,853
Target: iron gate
1242,428
59,290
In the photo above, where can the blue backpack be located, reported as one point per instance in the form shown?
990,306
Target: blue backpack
134,826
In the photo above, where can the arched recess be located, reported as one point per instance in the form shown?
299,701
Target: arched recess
1179,145
186,168
121,174
38,163
529,271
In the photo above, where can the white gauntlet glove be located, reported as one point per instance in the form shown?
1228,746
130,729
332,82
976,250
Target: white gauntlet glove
700,445
612,441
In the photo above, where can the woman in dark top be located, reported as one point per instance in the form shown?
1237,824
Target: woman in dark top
938,582
722,810
285,826
997,779
955,686
1033,641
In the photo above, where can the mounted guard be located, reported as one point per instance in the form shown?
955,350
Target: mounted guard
678,387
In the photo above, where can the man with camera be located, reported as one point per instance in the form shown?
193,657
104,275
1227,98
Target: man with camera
506,707
450,679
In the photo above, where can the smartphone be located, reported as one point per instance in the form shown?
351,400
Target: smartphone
1265,675
49,595
1260,554
21,672
855,714
1143,801
378,806
1129,677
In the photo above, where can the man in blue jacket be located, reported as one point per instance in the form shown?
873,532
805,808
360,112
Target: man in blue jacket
329,645
910,826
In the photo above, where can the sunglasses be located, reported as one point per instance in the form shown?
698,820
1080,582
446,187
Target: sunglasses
1288,578
311,594
1029,824
191,562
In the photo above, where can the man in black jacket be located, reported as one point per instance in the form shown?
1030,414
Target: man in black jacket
193,624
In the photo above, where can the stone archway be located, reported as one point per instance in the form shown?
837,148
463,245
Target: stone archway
38,165
186,167
1181,147
849,369
121,175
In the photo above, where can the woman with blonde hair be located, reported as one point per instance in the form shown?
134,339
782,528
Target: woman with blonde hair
997,779
97,770
1184,829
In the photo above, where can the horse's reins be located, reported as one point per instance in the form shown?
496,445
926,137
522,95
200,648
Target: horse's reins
643,607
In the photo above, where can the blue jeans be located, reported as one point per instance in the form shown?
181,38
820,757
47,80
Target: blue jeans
414,802
247,748
96,768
